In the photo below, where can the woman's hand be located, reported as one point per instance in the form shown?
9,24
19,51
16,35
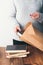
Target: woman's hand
35,15
17,28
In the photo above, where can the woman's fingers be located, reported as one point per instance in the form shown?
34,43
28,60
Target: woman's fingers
17,28
35,15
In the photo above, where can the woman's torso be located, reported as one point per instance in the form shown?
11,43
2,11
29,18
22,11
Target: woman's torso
25,8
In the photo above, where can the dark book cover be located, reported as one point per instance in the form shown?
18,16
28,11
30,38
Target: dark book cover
16,48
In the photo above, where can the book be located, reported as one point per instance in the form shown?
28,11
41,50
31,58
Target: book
33,36
16,48
16,51
16,56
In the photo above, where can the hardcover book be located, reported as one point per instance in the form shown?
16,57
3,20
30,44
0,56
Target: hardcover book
16,48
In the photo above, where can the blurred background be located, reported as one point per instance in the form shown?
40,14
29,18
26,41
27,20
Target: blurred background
6,25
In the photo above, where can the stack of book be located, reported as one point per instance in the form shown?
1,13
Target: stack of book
16,51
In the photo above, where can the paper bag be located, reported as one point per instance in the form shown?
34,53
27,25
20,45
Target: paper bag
33,37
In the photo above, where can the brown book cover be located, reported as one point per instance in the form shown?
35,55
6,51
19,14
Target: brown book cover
33,37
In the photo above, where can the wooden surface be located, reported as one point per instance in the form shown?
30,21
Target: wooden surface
35,58
33,37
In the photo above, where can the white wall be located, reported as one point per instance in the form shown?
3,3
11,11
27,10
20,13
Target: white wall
6,26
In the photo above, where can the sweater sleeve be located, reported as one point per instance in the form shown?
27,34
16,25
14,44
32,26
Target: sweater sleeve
40,19
13,14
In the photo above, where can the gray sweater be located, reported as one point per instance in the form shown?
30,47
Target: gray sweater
23,8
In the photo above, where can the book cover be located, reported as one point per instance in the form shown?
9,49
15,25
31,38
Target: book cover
16,48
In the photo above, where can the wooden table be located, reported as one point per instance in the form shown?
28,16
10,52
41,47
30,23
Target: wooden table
35,58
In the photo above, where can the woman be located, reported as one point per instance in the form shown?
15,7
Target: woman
25,11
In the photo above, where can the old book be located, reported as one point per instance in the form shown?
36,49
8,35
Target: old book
16,48
33,37
16,55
